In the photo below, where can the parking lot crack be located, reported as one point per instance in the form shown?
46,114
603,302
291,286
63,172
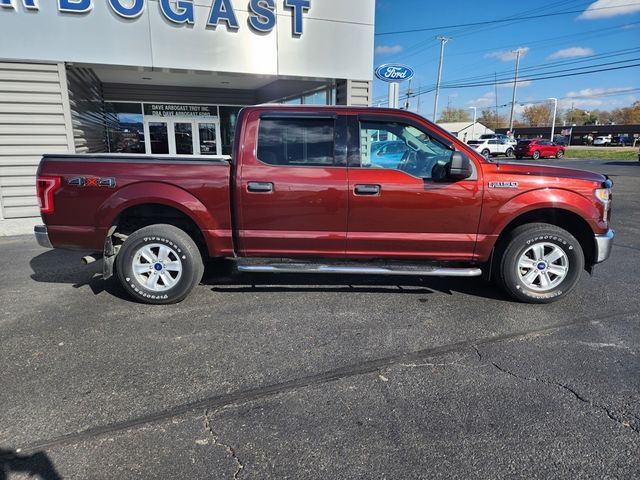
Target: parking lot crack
219,443
633,425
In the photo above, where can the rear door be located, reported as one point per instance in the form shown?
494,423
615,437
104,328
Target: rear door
411,210
292,185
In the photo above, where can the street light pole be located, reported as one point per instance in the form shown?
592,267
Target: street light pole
553,122
473,128
513,97
443,40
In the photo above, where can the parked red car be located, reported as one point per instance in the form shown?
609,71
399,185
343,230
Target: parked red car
538,149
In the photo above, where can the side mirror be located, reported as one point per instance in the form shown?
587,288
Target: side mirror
460,166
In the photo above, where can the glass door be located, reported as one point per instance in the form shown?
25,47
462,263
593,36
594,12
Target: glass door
184,138
156,134
208,136
182,135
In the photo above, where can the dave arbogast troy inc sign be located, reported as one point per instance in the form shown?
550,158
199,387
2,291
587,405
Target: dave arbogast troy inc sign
262,13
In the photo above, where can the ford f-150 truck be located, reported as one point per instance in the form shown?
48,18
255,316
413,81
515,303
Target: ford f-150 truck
303,193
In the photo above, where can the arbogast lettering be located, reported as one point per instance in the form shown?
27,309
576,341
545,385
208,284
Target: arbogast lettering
262,13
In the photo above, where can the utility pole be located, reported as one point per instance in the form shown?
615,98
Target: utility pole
442,40
513,97
473,128
553,122
406,103
495,76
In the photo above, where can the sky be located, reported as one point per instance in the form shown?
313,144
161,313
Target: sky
586,36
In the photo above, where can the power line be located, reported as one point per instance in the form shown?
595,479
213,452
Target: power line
501,20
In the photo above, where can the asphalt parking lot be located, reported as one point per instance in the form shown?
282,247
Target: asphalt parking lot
321,377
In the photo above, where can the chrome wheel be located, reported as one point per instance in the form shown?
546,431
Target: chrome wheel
543,266
157,267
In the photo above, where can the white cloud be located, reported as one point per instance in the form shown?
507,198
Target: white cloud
592,98
610,8
485,100
572,52
596,92
521,84
388,49
508,55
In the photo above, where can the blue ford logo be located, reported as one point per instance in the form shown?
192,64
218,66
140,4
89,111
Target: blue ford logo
392,72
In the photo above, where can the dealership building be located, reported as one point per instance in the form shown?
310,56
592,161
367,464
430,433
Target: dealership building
162,76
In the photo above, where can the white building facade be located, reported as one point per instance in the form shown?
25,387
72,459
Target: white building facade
163,76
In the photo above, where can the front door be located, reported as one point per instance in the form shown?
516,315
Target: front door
292,188
182,135
409,209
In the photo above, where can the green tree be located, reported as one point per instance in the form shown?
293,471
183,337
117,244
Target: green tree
452,114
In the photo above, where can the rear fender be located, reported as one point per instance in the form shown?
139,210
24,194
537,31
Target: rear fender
161,194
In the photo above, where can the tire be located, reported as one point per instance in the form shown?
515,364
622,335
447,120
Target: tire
509,152
545,279
170,279
486,153
536,155
559,154
519,157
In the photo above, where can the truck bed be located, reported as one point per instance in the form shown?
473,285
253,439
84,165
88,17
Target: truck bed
96,188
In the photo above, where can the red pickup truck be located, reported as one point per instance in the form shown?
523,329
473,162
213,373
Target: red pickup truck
308,189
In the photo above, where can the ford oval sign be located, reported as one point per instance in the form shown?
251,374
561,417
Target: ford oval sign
392,72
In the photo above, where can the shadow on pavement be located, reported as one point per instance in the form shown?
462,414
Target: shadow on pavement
60,266
624,164
37,465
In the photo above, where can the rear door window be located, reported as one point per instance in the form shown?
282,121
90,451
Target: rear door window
296,142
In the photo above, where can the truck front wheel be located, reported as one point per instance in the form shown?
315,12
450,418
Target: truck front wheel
540,263
159,264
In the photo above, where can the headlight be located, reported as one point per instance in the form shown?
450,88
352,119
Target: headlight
603,194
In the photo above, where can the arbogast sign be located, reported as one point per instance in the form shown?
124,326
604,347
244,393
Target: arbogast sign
262,13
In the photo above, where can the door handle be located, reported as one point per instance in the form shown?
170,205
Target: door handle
367,190
260,187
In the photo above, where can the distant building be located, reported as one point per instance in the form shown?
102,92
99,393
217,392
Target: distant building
465,130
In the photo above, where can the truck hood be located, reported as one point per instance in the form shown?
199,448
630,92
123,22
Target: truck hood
548,171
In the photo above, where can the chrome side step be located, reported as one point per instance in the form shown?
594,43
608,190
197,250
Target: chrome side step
410,270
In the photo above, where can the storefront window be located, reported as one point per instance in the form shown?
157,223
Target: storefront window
228,120
316,98
125,129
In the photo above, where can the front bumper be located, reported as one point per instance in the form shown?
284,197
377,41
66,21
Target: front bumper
42,236
604,243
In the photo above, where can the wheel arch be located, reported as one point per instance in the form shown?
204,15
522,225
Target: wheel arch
560,217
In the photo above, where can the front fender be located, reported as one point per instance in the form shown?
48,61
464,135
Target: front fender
544,198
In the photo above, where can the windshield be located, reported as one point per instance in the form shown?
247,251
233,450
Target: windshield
487,136
524,142
474,142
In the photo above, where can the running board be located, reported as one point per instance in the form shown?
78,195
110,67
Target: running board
409,270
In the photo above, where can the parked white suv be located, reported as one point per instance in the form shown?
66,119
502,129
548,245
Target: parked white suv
491,147
603,141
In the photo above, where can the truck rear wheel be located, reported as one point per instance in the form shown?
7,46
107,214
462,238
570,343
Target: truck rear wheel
159,264
541,263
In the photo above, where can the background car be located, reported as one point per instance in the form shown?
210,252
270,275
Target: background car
538,149
602,141
388,154
499,136
491,147
621,141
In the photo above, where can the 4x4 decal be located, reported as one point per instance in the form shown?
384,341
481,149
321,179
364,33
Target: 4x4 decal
92,182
